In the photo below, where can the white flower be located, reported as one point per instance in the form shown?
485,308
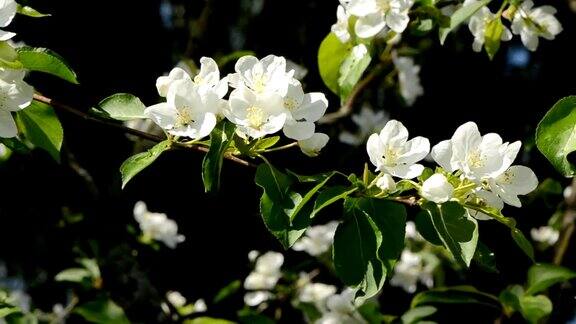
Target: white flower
410,87
340,28
410,269
176,299
375,15
7,13
386,183
163,83
516,180
340,308
264,76
531,23
478,157
200,306
437,189
266,273
391,152
157,226
255,298
478,23
316,293
545,234
313,145
15,94
208,79
252,255
368,122
567,192
412,232
189,111
303,110
317,239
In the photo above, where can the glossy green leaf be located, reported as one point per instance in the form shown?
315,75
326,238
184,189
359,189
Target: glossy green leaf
417,314
485,258
542,276
308,196
78,275
102,311
331,54
455,295
30,12
556,135
460,16
493,36
352,69
275,183
40,125
220,140
275,216
121,106
136,163
44,60
523,243
426,228
510,299
329,196
533,308
227,291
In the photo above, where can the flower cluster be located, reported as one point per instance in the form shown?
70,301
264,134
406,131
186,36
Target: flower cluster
528,22
475,168
317,239
157,226
263,278
265,99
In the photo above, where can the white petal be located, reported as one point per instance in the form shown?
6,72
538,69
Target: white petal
416,149
314,144
375,150
4,35
162,114
437,189
386,183
7,12
442,154
313,107
394,133
7,125
370,25
299,130
406,171
522,179
397,21
362,8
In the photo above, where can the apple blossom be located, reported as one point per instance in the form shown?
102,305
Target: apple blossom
368,122
410,87
341,28
478,23
15,94
255,298
316,293
531,23
313,145
437,189
545,234
340,308
176,299
266,272
517,180
375,15
317,239
163,83
303,110
391,151
8,10
264,76
157,226
386,183
410,269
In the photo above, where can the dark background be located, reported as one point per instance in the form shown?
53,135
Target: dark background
123,46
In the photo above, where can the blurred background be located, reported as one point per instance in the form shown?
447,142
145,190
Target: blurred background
52,214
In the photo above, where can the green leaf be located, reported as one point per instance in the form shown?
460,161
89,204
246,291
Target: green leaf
30,12
44,60
523,243
542,276
352,69
485,258
276,219
275,183
355,244
9,57
426,228
102,311
220,140
331,54
456,295
510,299
41,126
136,163
556,135
121,106
533,308
417,314
78,275
298,208
329,196
227,291
492,36
457,230
249,316
264,143
460,16
207,320
6,310
15,145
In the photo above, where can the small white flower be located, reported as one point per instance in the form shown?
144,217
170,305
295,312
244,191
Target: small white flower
255,298
163,83
412,232
7,13
200,306
368,122
176,299
517,180
313,145
478,23
408,76
317,239
264,76
266,273
340,308
392,152
531,23
410,269
386,183
375,15
545,234
303,110
157,226
340,28
15,94
252,255
437,189
316,293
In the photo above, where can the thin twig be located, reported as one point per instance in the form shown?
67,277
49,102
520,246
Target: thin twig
128,130
567,226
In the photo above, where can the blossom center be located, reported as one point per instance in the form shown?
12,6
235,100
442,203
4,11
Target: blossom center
476,160
290,103
383,5
255,116
391,156
183,117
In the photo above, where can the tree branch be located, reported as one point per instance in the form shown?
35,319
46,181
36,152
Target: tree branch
128,130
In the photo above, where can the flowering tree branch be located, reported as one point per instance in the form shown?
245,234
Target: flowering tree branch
131,131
